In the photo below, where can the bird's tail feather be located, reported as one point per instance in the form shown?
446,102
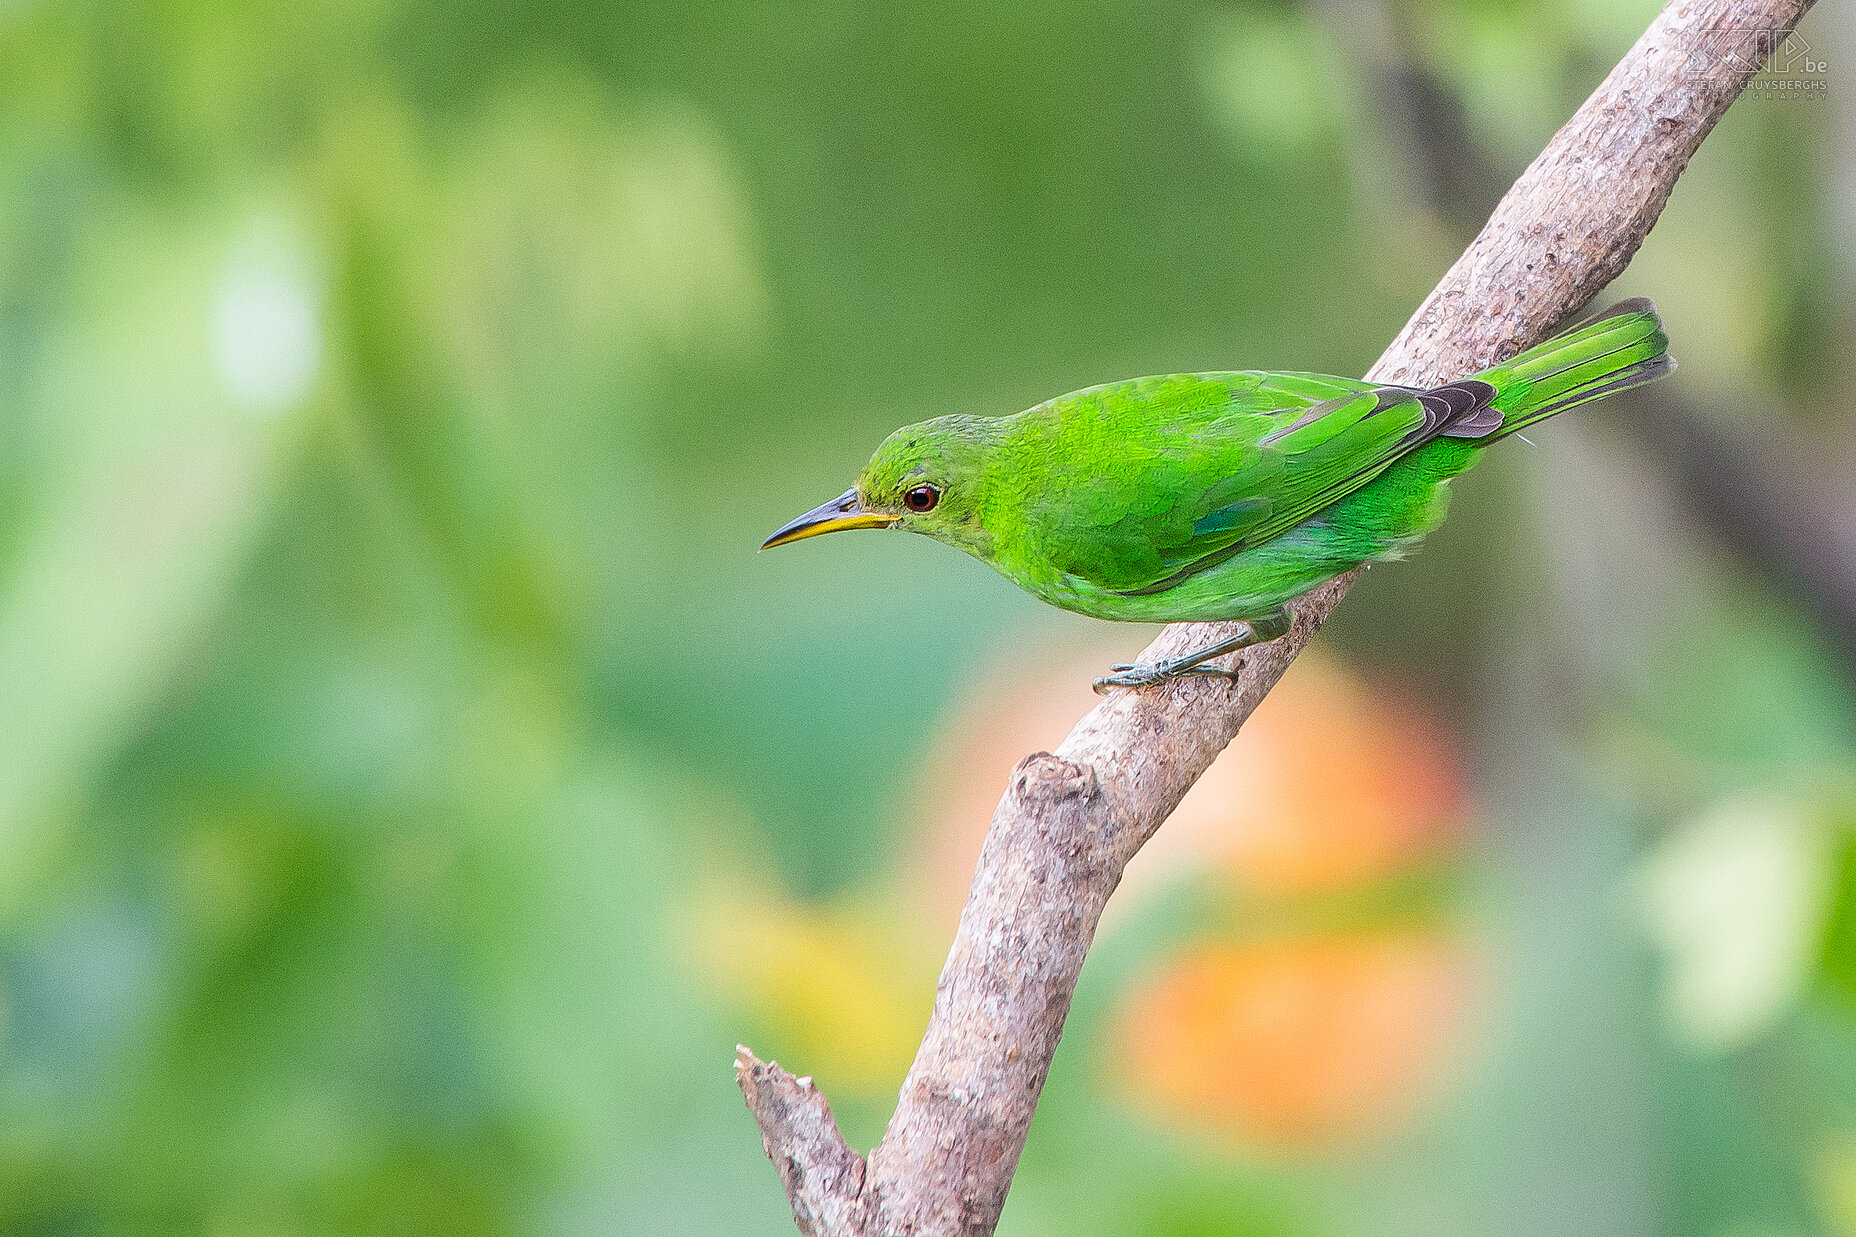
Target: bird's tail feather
1621,348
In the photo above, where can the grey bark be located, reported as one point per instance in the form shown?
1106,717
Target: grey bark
1070,822
1779,497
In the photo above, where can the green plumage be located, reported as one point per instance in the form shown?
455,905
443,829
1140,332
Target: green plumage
1223,495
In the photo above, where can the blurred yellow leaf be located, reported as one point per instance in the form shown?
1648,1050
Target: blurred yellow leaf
832,983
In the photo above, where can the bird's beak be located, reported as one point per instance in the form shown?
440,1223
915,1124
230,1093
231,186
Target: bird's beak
840,513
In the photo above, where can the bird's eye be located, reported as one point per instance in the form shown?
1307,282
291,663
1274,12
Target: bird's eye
921,498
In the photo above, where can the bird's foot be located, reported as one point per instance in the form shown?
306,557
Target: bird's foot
1152,674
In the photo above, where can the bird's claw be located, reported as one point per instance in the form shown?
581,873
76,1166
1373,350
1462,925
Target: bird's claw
1137,675
1128,676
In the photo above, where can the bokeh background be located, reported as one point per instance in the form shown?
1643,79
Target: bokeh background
413,784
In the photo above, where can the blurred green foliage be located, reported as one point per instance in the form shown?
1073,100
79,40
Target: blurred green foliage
392,394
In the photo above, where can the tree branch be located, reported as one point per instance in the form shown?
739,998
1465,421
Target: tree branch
1778,501
1070,822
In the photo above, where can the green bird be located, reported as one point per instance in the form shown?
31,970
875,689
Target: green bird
1225,496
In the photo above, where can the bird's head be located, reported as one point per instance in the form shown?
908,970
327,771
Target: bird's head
928,478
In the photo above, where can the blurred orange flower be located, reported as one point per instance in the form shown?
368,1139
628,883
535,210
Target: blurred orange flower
1331,784
1292,1043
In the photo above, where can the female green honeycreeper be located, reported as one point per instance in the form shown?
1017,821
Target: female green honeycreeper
1205,497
